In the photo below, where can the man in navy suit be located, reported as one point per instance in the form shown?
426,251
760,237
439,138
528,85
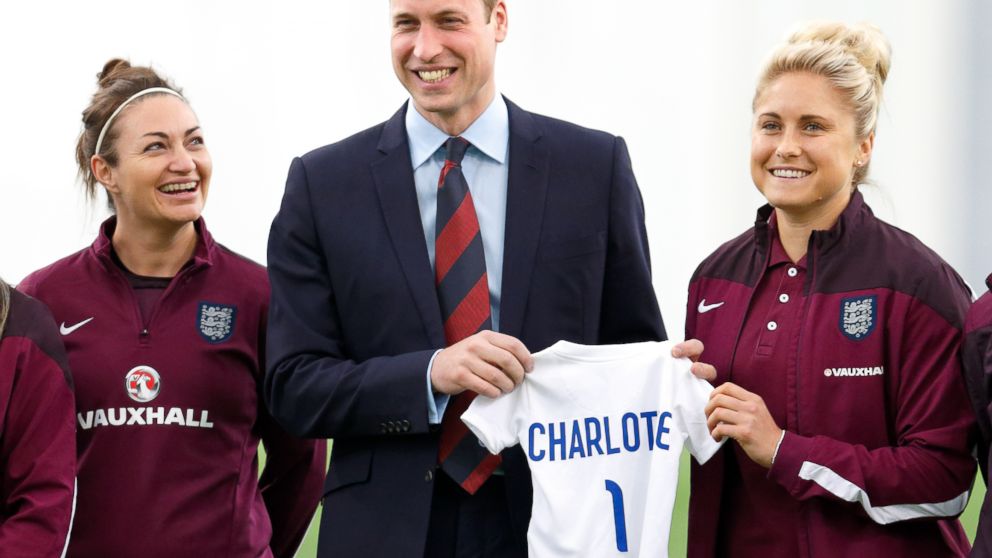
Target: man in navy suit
358,315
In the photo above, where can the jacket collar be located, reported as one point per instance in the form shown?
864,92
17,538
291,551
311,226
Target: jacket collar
202,255
393,178
394,132
527,191
850,220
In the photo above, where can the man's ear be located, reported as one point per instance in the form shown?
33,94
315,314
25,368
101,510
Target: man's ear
502,24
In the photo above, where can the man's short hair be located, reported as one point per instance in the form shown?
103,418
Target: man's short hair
489,5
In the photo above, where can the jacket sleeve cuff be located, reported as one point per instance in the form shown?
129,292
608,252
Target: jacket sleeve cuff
791,454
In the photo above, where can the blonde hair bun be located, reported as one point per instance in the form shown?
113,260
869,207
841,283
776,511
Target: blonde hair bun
864,41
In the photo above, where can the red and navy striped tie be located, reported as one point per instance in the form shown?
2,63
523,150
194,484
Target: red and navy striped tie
463,291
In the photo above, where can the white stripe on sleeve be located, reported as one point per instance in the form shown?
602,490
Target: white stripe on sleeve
72,516
847,490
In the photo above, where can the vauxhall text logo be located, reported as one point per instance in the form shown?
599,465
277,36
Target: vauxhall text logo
142,383
847,372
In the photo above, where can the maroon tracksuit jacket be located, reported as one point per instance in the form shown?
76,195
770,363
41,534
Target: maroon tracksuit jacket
37,434
977,359
169,412
879,429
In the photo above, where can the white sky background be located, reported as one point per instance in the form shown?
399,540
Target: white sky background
674,78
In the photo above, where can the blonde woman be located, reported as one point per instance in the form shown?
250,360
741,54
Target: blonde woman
835,336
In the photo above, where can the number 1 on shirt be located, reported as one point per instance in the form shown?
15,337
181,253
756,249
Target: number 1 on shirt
618,517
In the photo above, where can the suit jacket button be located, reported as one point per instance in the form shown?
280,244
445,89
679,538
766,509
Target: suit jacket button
406,425
429,476
382,427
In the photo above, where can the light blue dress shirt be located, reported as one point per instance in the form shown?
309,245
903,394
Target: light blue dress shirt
486,170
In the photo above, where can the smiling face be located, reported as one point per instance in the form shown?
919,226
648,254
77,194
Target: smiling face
163,167
444,54
804,148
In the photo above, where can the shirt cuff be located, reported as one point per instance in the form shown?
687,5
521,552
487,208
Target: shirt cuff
792,452
777,446
436,402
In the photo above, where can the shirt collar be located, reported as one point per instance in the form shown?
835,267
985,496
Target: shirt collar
779,255
202,254
490,133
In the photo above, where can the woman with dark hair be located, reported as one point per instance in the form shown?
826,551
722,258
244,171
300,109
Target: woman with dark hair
165,330
37,431
835,336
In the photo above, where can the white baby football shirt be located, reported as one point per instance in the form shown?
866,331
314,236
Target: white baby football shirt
602,428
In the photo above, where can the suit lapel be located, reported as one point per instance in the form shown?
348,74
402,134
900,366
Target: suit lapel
393,175
527,188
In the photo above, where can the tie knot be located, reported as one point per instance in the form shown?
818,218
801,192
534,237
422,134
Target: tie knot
455,149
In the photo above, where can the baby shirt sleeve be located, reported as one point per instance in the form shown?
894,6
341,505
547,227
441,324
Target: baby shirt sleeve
691,397
494,421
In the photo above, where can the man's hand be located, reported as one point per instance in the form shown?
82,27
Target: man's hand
735,412
693,349
487,363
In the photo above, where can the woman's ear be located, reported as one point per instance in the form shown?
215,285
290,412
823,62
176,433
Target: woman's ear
865,147
103,173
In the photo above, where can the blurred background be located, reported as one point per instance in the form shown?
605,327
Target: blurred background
675,79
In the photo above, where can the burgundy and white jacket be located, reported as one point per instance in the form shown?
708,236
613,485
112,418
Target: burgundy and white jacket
879,430
37,434
977,359
169,411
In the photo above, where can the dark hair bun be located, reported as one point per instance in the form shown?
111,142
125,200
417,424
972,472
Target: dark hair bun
113,68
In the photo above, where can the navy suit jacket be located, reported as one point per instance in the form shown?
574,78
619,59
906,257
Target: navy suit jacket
354,318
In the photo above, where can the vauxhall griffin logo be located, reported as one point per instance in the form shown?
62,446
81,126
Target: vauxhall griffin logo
142,383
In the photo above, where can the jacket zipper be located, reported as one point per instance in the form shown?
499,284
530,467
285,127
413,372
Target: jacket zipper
182,277
144,327
121,279
808,292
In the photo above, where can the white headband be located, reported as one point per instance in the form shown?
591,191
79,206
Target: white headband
106,125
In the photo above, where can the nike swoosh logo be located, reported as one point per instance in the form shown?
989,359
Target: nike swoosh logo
67,330
704,308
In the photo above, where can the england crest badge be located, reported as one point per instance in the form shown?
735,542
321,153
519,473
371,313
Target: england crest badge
858,316
216,321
